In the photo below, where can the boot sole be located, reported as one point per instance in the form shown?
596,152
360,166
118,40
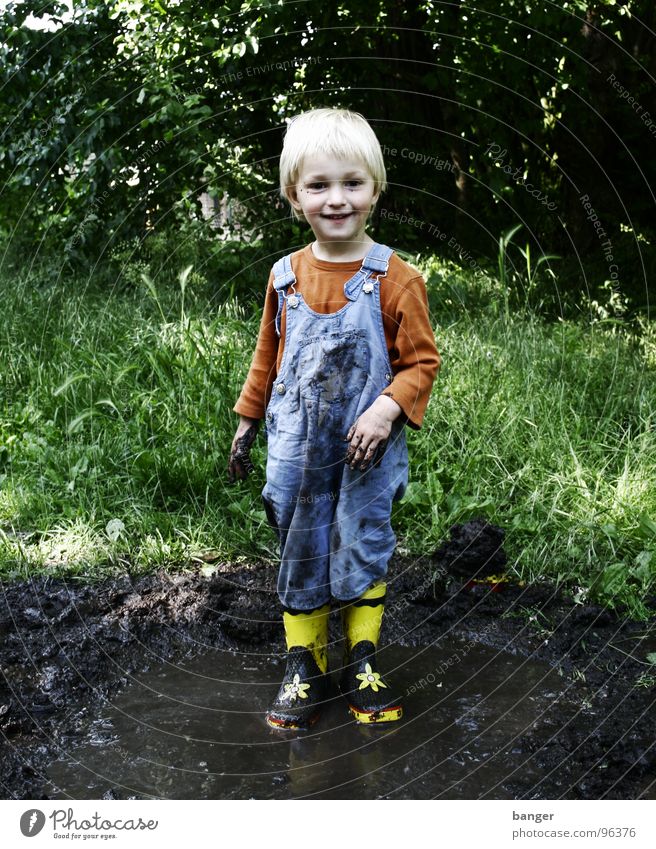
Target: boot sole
290,724
369,716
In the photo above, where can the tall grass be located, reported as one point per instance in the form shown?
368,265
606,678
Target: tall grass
117,420
119,408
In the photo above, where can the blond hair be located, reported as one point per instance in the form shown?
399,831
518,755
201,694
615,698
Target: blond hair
333,132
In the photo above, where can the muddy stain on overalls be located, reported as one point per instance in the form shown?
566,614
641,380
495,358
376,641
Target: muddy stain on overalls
333,522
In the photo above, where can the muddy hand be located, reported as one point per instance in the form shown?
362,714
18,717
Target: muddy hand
372,456
378,454
240,464
360,454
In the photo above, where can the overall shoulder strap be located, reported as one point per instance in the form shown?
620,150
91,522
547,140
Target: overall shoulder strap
283,276
376,262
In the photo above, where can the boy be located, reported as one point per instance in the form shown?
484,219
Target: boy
345,357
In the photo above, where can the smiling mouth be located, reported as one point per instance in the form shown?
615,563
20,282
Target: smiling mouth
337,217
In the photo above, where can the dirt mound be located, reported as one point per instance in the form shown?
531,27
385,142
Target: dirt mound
64,647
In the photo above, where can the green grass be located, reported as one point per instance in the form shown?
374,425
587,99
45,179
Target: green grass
117,405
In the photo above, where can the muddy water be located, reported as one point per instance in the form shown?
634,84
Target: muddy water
196,730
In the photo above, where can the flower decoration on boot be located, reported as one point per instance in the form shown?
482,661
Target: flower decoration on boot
370,699
302,692
296,689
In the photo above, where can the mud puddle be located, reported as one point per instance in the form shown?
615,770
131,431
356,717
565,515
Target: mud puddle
197,731
540,697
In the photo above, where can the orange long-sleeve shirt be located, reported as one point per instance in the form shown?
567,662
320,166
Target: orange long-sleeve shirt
408,333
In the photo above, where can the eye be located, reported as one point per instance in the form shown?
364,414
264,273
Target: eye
315,187
354,183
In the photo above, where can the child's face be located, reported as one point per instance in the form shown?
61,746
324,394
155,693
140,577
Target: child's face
336,196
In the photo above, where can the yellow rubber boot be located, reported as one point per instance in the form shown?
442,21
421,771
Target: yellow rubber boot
362,618
309,630
370,698
304,687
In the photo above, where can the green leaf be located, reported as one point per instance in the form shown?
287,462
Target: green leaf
612,578
647,525
183,277
107,403
77,421
643,559
416,493
546,258
74,378
507,237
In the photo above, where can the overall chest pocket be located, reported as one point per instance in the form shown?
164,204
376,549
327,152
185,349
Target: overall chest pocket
333,367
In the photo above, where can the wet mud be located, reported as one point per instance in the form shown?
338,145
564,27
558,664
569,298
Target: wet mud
156,687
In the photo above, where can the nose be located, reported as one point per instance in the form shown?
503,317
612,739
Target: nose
336,194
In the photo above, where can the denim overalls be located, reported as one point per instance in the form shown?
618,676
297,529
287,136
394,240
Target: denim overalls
333,522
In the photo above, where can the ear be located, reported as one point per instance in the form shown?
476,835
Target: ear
292,196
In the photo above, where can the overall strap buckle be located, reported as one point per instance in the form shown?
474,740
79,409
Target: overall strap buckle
376,262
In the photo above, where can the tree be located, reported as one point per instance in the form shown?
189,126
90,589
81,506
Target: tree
490,115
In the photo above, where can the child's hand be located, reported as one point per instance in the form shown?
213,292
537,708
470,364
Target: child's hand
369,433
239,464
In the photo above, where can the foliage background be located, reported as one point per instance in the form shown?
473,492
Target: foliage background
114,123
519,143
